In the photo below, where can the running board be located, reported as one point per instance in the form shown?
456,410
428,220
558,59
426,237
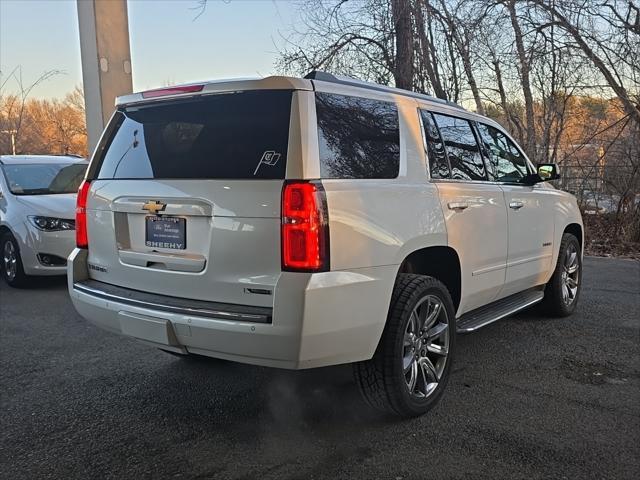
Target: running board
478,318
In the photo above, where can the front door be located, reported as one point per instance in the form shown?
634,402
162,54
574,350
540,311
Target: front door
531,229
529,212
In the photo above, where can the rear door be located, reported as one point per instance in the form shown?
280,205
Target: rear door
185,197
474,209
529,213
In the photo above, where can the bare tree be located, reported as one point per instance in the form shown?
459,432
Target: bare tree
41,126
427,65
12,118
613,48
462,27
524,69
403,66
562,75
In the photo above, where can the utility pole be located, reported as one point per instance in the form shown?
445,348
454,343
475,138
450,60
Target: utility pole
106,60
13,133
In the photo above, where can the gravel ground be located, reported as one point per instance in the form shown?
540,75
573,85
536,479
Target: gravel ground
529,398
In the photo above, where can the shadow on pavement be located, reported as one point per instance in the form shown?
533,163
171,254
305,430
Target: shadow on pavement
222,393
40,283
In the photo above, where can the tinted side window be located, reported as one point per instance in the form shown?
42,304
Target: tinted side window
462,148
358,137
242,135
438,163
506,162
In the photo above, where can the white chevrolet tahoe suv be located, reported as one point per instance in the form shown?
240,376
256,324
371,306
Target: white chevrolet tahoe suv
299,223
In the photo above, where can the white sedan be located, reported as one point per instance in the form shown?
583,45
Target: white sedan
37,214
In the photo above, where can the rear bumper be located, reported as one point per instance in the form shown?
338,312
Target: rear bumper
162,303
317,319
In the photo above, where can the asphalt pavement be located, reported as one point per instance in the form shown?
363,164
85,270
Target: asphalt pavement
529,398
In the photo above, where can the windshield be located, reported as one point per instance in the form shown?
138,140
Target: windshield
44,179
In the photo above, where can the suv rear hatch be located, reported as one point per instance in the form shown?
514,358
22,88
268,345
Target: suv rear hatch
185,196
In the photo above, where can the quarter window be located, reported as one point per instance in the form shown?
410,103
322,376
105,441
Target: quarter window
506,162
358,137
438,163
462,148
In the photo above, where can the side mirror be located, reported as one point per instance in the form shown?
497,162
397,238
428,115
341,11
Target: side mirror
548,171
545,173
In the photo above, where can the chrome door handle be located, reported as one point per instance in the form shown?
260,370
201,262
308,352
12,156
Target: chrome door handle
516,205
457,205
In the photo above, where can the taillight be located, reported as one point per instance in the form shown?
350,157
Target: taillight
305,227
163,92
82,240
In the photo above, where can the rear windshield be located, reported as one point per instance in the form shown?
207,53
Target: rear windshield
242,135
44,179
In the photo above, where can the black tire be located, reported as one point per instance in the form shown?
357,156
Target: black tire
382,380
16,277
555,302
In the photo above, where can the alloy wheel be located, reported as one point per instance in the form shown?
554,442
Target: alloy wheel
426,346
570,274
10,260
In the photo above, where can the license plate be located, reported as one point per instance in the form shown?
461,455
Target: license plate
166,232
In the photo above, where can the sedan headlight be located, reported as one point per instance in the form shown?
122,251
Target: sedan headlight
51,224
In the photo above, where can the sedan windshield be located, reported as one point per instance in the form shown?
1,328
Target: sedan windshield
44,179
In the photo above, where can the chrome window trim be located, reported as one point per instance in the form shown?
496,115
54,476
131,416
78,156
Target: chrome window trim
530,167
473,129
529,164
480,182
424,143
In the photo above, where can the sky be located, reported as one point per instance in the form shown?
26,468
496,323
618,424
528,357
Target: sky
232,38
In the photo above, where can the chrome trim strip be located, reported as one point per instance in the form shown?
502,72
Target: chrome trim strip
192,311
479,182
492,268
514,263
528,259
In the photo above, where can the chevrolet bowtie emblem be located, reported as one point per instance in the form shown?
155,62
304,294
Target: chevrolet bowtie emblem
154,207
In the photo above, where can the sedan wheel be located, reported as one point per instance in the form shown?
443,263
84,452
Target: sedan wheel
10,260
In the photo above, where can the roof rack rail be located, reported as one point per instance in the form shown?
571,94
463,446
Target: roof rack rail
354,82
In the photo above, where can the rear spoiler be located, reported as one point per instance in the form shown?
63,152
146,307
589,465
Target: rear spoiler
217,86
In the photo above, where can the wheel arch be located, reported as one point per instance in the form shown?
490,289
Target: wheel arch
441,262
573,228
576,230
4,229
